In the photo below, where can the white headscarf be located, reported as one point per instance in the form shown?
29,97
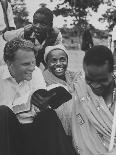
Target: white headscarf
48,49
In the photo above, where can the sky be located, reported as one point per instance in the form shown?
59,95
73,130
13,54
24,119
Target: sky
33,5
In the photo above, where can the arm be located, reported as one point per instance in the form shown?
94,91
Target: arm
9,35
10,16
23,33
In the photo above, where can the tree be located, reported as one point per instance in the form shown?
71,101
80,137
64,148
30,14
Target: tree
110,14
20,13
79,9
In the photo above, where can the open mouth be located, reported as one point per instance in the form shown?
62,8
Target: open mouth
59,70
28,74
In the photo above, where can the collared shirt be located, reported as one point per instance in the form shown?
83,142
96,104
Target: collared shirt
9,15
10,89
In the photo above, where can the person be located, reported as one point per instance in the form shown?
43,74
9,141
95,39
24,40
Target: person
114,41
110,42
87,41
57,72
6,24
28,131
40,32
93,109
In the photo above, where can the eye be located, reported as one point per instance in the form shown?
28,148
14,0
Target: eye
53,60
63,59
89,81
26,64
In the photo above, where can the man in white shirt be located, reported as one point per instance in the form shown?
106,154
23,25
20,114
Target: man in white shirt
25,131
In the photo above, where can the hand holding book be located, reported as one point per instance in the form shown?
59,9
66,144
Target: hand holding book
53,96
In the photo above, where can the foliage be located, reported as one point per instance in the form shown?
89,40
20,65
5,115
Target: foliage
78,9
110,14
20,13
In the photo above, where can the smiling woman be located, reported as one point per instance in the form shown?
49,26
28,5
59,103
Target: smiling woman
56,58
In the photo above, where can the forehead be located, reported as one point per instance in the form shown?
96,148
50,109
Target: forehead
40,18
95,72
57,53
23,54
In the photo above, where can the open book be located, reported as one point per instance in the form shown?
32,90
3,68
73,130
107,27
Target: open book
61,95
22,104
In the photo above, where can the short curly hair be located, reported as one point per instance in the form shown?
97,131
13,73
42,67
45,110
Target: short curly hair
46,12
98,55
12,46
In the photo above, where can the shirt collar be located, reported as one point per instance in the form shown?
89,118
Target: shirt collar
6,75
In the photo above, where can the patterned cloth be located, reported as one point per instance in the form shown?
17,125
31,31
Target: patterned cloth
91,122
64,111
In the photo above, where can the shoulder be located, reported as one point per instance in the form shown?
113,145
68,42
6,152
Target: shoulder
56,30
76,75
38,79
5,85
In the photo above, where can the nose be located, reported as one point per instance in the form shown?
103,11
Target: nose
58,62
32,67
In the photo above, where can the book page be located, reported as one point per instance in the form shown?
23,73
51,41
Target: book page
22,103
56,85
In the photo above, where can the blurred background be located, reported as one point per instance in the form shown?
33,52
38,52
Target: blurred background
71,17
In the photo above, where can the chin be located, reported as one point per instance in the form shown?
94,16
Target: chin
28,79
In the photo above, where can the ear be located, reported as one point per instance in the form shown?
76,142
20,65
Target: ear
10,67
9,63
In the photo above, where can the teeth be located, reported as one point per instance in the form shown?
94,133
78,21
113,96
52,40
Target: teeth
59,69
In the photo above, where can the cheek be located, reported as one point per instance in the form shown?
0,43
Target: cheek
51,66
66,64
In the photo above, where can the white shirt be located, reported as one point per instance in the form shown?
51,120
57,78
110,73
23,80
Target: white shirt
9,15
114,33
9,89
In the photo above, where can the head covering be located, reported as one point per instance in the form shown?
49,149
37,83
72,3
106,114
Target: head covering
48,49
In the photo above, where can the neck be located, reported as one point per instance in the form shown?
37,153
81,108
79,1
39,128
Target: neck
62,78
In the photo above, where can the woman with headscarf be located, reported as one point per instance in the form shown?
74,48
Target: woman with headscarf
56,58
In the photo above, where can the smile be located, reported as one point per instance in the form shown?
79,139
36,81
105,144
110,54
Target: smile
59,69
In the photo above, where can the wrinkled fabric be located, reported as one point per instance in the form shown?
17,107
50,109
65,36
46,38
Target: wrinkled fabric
91,122
64,112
